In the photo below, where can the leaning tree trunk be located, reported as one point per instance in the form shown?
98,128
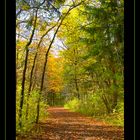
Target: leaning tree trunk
35,78
43,75
32,70
106,103
24,71
46,60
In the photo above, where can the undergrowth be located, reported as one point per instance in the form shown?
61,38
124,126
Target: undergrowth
93,108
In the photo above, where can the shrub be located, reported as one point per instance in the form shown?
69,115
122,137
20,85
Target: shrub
94,106
27,124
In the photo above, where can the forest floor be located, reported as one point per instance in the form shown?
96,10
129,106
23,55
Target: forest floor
63,124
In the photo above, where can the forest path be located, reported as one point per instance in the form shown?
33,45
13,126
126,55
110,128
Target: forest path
63,124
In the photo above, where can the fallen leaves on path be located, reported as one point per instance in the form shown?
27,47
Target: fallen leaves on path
63,124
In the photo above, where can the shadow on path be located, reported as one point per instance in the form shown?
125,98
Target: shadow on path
65,125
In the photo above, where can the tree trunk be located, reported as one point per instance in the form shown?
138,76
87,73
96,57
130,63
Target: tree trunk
53,98
115,94
115,91
106,102
32,70
77,88
38,108
46,60
75,75
22,91
24,71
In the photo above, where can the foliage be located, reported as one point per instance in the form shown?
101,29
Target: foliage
94,59
86,74
28,123
72,104
91,107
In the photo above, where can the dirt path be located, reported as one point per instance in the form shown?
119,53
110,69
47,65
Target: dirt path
65,125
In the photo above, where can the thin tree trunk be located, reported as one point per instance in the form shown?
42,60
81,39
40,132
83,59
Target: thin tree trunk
24,71
118,39
46,60
34,81
106,102
75,75
115,94
31,75
53,98
112,66
77,88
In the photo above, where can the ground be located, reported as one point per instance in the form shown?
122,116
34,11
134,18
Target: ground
63,124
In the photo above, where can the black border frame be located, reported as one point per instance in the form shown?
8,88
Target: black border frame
10,48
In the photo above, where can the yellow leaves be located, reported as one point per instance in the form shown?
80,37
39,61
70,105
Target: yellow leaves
20,44
71,24
43,27
74,13
54,71
108,1
25,7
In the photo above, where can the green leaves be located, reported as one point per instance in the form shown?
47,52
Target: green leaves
25,7
58,3
96,33
27,124
91,64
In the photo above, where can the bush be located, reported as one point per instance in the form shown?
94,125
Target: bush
73,104
94,106
91,106
27,124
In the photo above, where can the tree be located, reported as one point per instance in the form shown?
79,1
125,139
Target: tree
30,21
46,57
98,33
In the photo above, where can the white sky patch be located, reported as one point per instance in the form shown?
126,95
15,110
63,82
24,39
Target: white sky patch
57,47
57,44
